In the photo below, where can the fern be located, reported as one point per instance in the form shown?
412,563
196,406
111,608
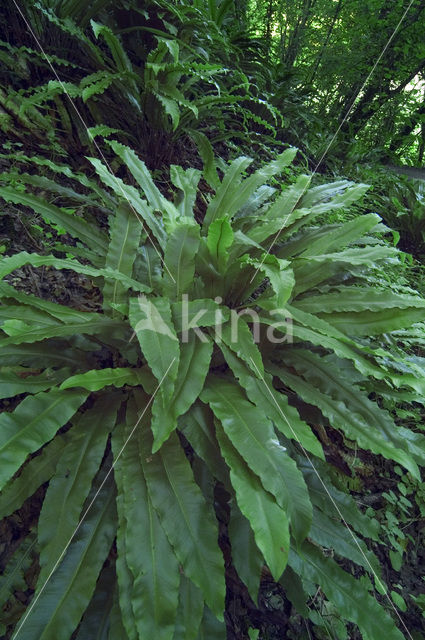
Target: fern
182,370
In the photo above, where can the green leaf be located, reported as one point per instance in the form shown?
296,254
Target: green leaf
195,357
96,623
246,556
237,336
22,380
131,195
71,483
274,405
98,378
219,240
227,192
348,594
34,473
189,614
148,267
59,606
149,556
33,423
124,613
269,522
190,314
126,230
187,181
198,427
179,259
206,152
339,236
141,174
53,309
186,519
352,424
365,310
233,194
10,263
254,438
279,274
334,502
151,321
75,226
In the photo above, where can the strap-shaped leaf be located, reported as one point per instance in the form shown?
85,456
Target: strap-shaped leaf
126,230
179,258
124,613
34,473
358,299
323,495
148,266
342,234
268,520
219,240
149,556
285,204
71,483
237,337
33,423
274,404
246,556
151,321
22,380
203,312
227,192
9,264
51,353
131,194
142,176
206,152
280,276
352,424
349,595
53,309
20,332
189,614
370,323
253,437
10,317
98,378
62,602
232,195
195,357
198,427
96,620
363,256
75,226
331,534
118,622
185,517
187,181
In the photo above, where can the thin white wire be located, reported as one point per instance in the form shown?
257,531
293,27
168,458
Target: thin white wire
336,133
35,600
332,499
99,150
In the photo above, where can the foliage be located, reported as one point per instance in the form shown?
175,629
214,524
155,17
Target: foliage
154,85
151,413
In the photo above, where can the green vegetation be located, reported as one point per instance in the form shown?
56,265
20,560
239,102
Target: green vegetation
212,320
